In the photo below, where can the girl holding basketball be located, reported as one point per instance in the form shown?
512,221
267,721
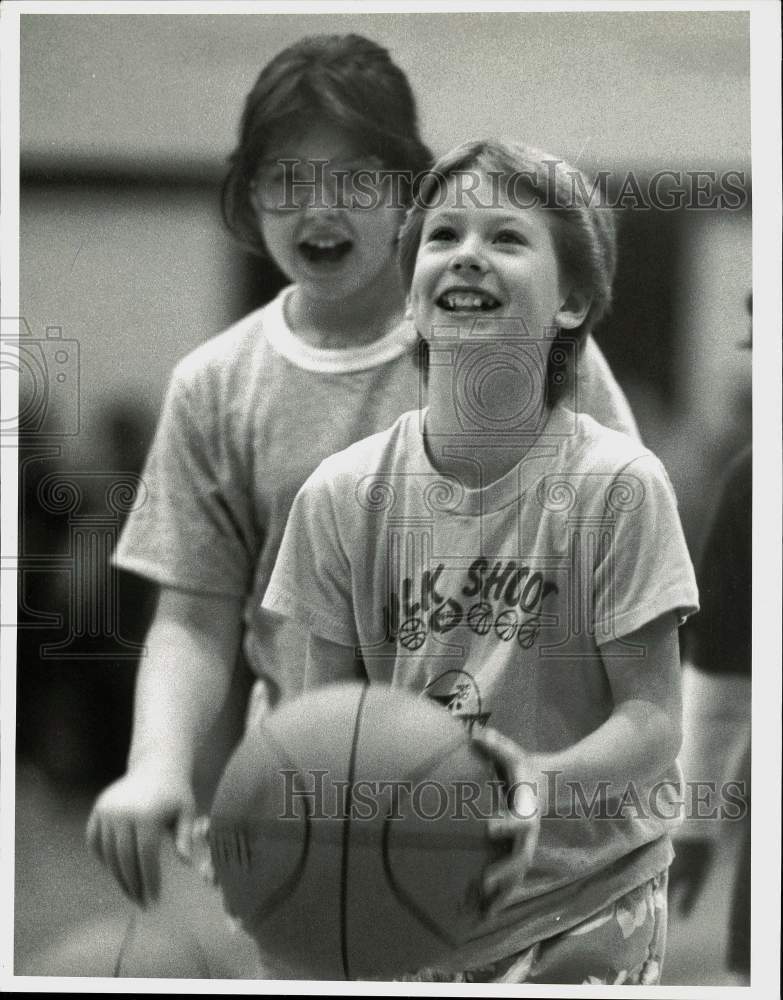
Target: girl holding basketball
519,562
253,411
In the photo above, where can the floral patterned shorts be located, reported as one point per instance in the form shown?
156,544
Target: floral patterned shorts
621,944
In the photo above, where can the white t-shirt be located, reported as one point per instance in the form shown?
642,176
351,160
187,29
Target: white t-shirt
495,602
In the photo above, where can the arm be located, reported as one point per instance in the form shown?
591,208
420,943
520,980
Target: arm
637,741
644,732
716,748
183,681
716,677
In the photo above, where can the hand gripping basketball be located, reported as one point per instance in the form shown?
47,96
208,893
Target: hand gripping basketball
518,822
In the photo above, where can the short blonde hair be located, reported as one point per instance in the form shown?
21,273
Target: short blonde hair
584,235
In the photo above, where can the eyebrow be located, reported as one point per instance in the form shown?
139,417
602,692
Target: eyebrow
449,215
440,215
517,220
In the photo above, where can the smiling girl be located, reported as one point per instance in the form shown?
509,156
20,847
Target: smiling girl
521,564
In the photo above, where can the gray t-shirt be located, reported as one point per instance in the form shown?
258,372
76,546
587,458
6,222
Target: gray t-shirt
246,419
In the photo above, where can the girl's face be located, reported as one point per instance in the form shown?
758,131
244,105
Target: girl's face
329,248
477,262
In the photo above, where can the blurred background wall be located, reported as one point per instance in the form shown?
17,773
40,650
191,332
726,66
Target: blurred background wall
126,123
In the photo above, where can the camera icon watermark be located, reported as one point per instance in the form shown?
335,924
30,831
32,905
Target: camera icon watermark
504,376
47,370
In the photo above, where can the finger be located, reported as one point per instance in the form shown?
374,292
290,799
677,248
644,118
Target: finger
507,826
677,890
522,810
148,847
207,871
92,835
688,896
504,877
525,850
503,827
183,837
109,851
201,828
496,746
685,901
201,850
524,800
128,860
504,870
504,884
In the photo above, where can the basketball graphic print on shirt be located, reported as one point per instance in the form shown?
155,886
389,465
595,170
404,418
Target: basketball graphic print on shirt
499,601
528,582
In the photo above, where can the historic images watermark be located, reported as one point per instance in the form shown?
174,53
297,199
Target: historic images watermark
289,184
47,369
323,797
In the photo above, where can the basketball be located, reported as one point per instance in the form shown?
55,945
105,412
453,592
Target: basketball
349,833
480,618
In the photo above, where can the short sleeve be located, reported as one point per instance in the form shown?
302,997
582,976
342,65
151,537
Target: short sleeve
311,581
643,569
193,528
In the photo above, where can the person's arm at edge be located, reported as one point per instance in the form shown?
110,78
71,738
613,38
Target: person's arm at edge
182,683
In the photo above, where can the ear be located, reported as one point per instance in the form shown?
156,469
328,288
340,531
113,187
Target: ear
573,312
408,308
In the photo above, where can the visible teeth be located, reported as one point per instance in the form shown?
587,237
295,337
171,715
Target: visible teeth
324,249
467,300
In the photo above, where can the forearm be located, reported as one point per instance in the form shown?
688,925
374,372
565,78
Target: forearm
183,679
643,734
716,741
634,745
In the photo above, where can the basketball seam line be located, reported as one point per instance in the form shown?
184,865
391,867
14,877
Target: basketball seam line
403,897
347,835
263,911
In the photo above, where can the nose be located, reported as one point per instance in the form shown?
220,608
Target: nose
467,260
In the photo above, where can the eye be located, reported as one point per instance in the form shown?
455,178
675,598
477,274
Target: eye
441,234
510,236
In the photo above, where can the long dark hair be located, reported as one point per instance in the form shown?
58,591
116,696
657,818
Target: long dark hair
346,80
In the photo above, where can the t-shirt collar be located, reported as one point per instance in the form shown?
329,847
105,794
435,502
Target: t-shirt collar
331,360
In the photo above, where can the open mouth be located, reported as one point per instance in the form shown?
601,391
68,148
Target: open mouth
326,250
467,300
